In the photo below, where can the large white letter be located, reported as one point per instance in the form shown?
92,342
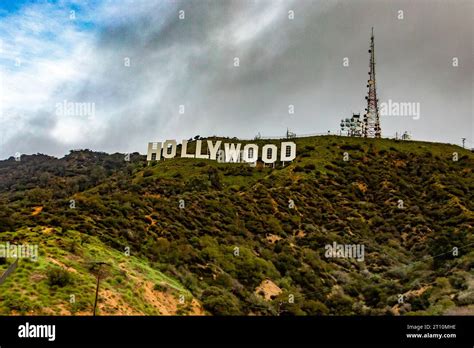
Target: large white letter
273,151
250,153
288,151
232,152
166,147
154,148
184,149
198,150
213,149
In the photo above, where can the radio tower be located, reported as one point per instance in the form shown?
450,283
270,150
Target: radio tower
371,118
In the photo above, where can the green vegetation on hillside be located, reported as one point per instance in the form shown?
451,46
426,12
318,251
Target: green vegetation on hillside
63,280
217,231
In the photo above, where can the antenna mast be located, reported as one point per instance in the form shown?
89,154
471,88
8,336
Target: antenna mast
371,118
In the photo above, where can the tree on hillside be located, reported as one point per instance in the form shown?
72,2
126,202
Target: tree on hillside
214,178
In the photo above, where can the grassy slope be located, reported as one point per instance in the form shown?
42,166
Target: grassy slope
27,291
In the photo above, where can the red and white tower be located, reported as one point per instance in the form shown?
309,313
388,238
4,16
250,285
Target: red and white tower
371,118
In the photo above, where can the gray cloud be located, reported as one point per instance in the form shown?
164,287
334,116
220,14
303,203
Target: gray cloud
297,62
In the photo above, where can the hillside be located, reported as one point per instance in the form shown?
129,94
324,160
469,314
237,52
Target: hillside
227,238
63,280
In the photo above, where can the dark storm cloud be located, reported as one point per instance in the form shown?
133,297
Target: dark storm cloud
282,62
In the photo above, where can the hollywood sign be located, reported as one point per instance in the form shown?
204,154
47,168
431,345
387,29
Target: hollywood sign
232,153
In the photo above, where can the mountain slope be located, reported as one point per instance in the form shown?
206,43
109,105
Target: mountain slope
248,240
63,280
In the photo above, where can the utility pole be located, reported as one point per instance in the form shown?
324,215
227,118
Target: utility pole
463,142
100,263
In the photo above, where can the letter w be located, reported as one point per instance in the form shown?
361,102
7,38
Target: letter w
232,152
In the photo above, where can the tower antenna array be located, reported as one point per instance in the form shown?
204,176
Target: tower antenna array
371,118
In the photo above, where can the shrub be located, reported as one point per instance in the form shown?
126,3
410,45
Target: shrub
162,287
421,302
147,172
313,307
352,147
20,304
298,169
458,281
58,277
214,178
220,302
465,298
196,184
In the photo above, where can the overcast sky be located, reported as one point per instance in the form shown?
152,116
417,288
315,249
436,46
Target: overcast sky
74,51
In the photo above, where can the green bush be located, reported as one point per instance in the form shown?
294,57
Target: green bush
162,287
19,303
220,302
58,277
298,169
457,281
147,172
312,307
